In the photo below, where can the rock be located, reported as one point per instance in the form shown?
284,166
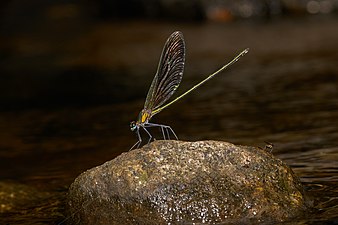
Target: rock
176,182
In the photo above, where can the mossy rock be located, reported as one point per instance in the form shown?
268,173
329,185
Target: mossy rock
176,182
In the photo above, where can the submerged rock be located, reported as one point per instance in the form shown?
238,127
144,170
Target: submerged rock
28,204
176,182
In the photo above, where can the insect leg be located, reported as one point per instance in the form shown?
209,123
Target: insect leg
172,131
165,127
139,140
150,136
162,130
166,130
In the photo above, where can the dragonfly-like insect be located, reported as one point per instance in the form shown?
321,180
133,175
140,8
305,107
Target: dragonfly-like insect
166,81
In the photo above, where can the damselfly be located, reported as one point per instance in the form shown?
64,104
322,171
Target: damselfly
167,79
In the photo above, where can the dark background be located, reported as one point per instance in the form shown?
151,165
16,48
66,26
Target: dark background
73,74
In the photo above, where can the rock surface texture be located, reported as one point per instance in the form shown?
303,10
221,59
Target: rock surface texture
176,182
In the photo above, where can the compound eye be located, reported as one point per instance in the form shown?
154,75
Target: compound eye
132,125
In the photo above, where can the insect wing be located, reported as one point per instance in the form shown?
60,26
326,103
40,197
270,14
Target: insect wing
169,72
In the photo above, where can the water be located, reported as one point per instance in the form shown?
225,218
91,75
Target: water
285,91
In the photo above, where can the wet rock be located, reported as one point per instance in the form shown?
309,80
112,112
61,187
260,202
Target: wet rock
180,182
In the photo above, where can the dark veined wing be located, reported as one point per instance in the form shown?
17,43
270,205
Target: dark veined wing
169,72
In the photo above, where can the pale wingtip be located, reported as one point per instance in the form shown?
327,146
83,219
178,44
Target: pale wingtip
177,33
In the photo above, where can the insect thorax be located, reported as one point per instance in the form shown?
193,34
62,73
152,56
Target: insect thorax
144,116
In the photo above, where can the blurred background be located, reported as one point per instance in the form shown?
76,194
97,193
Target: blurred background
73,74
